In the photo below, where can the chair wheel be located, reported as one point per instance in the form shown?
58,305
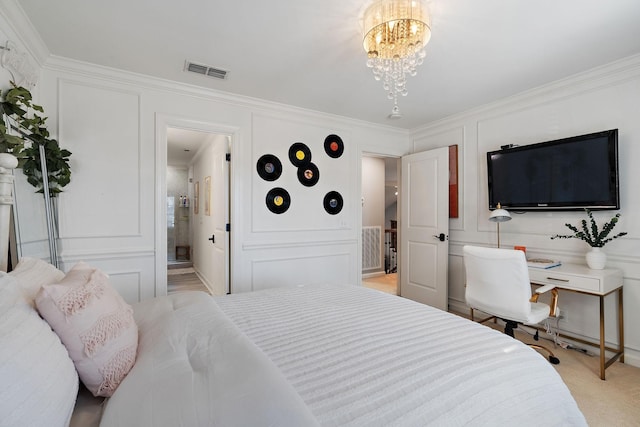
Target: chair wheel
554,360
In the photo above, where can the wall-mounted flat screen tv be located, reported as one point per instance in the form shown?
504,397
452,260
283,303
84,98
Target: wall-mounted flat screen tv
566,174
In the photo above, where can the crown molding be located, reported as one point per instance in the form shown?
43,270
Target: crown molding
118,76
24,31
604,75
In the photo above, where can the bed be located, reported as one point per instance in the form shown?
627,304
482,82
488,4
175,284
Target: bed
324,355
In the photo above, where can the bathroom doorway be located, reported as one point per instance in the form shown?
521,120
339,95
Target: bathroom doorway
197,206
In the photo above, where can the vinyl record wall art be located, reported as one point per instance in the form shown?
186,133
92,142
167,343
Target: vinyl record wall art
333,202
278,200
333,146
308,175
269,167
299,154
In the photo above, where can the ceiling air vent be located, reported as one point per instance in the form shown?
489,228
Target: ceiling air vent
205,70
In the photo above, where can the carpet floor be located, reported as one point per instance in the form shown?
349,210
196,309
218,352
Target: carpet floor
614,402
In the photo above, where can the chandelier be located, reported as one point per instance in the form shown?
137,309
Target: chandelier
395,34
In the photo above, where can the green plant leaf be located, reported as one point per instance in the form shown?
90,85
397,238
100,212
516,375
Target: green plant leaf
31,133
590,234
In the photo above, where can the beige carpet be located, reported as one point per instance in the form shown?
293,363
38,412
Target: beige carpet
614,402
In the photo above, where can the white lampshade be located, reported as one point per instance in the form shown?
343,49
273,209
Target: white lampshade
499,215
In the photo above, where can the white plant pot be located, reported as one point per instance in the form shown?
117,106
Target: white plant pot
596,259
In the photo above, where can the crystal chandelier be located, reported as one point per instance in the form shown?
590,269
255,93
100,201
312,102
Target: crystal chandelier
395,34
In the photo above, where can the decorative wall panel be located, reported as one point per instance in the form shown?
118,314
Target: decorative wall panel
100,126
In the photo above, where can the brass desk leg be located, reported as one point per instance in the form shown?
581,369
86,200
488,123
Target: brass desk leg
620,325
620,350
602,349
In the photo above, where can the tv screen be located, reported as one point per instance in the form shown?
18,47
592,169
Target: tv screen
566,174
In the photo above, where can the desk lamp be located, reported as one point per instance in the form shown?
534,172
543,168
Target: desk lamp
499,215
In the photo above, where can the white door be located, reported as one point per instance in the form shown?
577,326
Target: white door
424,227
220,218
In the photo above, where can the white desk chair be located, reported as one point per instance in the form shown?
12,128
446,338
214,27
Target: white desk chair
498,284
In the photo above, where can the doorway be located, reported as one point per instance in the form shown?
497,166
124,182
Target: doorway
197,209
178,215
379,223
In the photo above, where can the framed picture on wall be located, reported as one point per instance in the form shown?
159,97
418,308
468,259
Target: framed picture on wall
207,195
196,198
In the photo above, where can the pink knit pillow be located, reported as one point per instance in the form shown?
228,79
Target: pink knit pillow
94,323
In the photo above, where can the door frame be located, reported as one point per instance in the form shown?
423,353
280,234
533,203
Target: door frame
162,123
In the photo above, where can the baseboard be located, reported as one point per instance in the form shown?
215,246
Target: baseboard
632,357
203,280
458,307
375,274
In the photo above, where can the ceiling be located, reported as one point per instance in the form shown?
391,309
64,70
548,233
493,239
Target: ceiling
183,145
309,53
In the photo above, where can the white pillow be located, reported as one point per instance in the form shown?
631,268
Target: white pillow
95,324
32,273
38,382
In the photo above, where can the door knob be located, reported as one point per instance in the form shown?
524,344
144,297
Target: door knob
213,238
442,237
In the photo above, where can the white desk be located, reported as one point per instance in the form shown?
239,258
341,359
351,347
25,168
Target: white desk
600,283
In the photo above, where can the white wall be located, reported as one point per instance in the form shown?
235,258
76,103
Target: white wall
113,124
600,99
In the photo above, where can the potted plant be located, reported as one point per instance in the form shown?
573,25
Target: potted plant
594,237
22,118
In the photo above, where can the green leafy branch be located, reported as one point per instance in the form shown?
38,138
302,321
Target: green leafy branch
17,106
590,234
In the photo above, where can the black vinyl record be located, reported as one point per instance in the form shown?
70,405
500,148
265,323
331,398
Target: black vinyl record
333,146
299,154
269,167
333,202
278,200
308,175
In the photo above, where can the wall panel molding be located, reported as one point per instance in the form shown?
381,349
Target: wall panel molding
275,244
119,160
309,269
128,284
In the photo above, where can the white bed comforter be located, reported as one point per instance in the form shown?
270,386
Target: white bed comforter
330,355
363,358
195,368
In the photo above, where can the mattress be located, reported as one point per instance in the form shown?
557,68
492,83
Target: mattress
331,356
360,357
